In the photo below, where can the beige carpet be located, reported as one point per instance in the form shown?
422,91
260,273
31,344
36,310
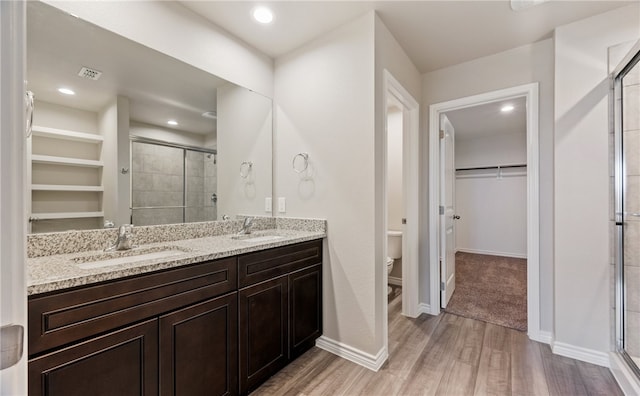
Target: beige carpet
492,289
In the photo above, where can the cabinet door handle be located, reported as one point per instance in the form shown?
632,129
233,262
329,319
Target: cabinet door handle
456,217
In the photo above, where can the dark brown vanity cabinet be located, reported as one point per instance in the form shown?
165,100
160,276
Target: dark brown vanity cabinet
122,362
305,309
171,332
214,328
280,308
199,349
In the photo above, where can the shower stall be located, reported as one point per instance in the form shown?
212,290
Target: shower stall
171,183
625,111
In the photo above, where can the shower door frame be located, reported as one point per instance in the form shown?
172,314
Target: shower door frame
629,62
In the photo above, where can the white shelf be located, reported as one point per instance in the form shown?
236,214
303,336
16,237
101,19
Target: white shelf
49,159
67,215
66,135
59,187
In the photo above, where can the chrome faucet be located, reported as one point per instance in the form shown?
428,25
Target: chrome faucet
247,224
125,239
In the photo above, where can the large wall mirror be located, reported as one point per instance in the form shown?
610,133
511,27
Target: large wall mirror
144,138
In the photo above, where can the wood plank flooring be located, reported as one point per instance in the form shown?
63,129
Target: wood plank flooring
445,355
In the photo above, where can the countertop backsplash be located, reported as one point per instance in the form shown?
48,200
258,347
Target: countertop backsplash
54,243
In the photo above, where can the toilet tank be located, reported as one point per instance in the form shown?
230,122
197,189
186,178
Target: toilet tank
394,244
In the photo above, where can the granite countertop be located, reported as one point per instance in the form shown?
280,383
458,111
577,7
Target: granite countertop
62,271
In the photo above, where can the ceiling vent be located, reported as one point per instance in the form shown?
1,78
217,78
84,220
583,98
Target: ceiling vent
89,73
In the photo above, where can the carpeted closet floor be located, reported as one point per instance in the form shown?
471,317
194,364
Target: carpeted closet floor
492,289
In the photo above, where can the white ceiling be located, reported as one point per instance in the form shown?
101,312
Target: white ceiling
488,120
435,34
159,87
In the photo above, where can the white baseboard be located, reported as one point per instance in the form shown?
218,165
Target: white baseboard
583,354
393,280
492,253
624,376
544,337
426,309
350,353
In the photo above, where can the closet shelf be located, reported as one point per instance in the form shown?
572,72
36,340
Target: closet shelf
493,167
49,159
65,215
60,187
66,135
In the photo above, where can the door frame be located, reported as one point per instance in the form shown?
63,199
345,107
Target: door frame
411,181
530,93
13,288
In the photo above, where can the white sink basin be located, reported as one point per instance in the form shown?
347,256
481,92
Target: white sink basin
127,257
257,238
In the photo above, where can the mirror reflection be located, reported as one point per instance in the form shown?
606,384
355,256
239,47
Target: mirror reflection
125,134
171,183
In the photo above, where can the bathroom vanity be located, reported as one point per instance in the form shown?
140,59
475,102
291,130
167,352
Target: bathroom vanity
217,327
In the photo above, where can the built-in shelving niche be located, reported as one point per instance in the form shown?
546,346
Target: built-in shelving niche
65,175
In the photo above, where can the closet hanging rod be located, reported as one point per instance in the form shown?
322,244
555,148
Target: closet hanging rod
493,167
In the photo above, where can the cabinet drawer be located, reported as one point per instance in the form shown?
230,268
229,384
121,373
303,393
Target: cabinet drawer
260,266
66,317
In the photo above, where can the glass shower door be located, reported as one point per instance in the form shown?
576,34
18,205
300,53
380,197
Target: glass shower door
200,189
627,208
171,183
157,184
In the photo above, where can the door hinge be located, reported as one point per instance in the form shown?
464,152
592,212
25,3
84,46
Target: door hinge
441,286
441,209
442,134
404,221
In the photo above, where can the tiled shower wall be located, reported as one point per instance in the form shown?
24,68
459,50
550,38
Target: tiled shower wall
159,188
156,181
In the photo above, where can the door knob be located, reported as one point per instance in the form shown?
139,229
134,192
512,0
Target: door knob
456,217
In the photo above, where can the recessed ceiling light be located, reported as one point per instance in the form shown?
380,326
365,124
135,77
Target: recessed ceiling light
263,15
507,108
172,122
66,91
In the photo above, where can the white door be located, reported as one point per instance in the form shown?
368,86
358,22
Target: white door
447,211
13,295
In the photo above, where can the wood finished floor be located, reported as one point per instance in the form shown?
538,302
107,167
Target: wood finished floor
445,355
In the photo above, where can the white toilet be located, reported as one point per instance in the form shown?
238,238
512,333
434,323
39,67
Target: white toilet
394,249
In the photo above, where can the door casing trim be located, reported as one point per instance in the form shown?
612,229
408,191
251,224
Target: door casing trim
530,93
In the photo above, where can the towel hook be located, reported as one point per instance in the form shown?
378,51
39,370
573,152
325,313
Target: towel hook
245,169
300,166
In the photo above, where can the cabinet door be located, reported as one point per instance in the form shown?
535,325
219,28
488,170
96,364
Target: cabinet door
305,309
198,349
124,362
263,331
